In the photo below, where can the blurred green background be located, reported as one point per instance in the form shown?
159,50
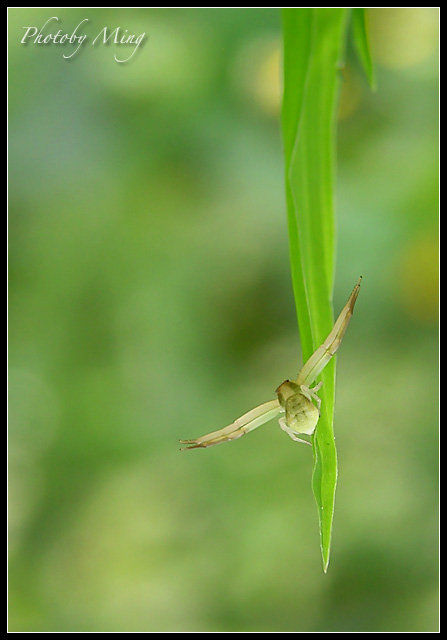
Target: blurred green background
150,300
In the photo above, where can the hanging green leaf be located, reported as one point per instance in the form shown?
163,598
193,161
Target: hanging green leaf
361,43
314,44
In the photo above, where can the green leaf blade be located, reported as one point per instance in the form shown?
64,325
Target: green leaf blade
314,42
361,43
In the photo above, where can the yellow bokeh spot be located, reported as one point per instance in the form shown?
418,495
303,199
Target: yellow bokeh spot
404,36
257,74
418,280
267,82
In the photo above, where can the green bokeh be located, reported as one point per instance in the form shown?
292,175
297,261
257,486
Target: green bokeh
150,300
